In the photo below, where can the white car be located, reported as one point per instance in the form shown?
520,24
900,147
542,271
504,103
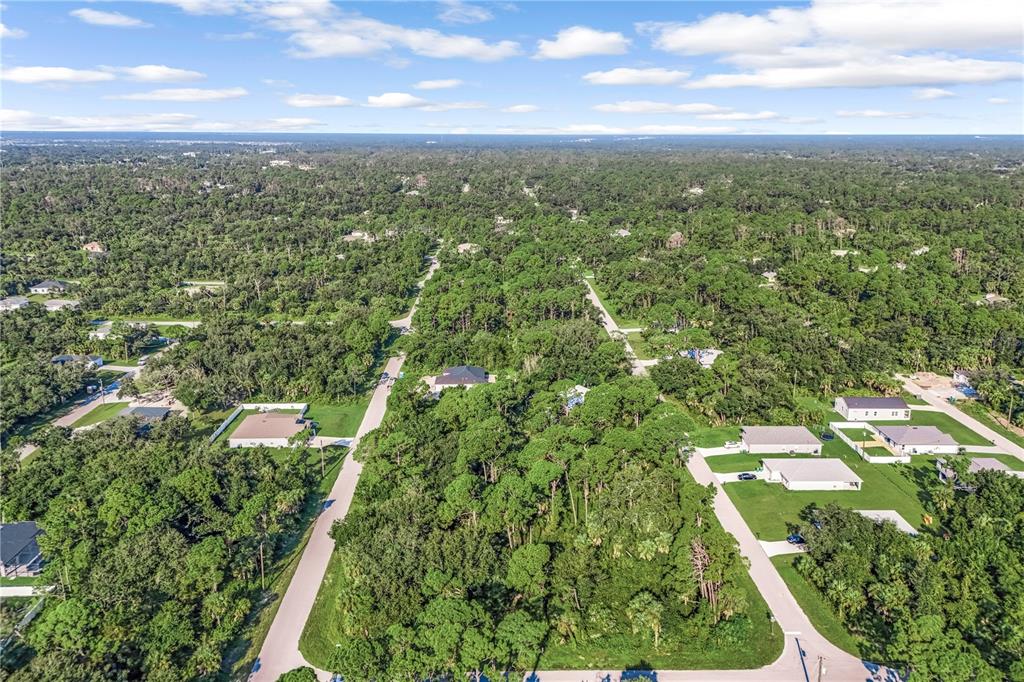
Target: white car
732,444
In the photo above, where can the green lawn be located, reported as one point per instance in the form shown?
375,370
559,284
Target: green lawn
22,581
982,414
714,436
818,610
338,420
610,307
860,435
742,461
239,657
943,422
148,349
770,510
911,399
878,451
640,346
99,414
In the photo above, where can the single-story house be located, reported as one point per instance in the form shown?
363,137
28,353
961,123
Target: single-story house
94,247
977,465
918,440
811,474
463,375
93,361
101,331
864,408
775,439
146,414
705,356
49,286
270,429
55,304
890,516
13,303
19,551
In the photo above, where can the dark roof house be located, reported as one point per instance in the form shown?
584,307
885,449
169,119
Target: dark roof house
19,551
874,403
463,375
147,414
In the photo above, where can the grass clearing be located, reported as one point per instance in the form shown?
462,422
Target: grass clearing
912,399
714,436
21,581
641,348
771,511
611,308
743,461
338,420
814,604
943,422
100,414
982,414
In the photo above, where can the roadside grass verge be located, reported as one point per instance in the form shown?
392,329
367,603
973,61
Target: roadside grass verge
338,420
100,414
814,604
982,414
611,308
771,511
743,461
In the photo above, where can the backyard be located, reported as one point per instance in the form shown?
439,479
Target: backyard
771,511
338,420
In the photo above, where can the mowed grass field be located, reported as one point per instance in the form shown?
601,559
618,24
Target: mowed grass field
943,422
815,605
338,420
100,414
771,511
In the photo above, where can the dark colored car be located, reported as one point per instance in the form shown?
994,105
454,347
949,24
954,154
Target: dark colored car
828,435
795,539
747,477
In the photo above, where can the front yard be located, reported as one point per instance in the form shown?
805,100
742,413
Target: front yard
338,420
771,511
100,414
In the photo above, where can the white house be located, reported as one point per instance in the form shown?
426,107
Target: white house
861,408
55,304
777,439
269,429
811,474
918,440
49,286
13,303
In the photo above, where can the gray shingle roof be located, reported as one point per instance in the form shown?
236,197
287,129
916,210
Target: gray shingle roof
916,435
874,403
463,374
778,435
147,413
14,537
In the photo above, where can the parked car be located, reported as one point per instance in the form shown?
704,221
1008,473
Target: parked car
384,377
827,435
747,476
732,444
795,539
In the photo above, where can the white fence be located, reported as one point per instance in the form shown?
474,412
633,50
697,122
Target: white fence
262,407
873,459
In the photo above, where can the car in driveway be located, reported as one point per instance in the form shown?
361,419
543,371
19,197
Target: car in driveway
795,539
732,444
747,476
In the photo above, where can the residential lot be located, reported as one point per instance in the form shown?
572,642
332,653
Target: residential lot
771,511
943,422
814,605
102,413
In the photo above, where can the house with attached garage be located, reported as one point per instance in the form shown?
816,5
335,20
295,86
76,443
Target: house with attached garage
811,474
462,375
867,408
918,440
777,439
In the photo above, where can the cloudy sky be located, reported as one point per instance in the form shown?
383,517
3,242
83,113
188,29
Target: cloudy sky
922,66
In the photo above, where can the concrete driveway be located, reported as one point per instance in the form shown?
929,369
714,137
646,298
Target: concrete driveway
777,547
735,476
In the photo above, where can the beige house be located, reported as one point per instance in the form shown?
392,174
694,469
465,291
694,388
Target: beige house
778,439
811,474
269,429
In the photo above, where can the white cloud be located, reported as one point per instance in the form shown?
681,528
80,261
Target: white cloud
232,37
395,100
155,73
731,32
998,100
184,95
277,83
53,74
453,106
625,76
932,93
521,109
890,70
440,84
581,41
11,33
602,129
876,113
648,107
309,101
456,12
115,19
16,119
739,116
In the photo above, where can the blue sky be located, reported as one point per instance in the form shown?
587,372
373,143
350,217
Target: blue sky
921,67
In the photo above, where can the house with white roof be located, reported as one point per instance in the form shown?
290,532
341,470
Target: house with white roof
13,303
811,474
778,439
865,408
918,440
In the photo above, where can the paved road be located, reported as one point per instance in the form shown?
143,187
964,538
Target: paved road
407,320
617,332
1002,443
280,652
